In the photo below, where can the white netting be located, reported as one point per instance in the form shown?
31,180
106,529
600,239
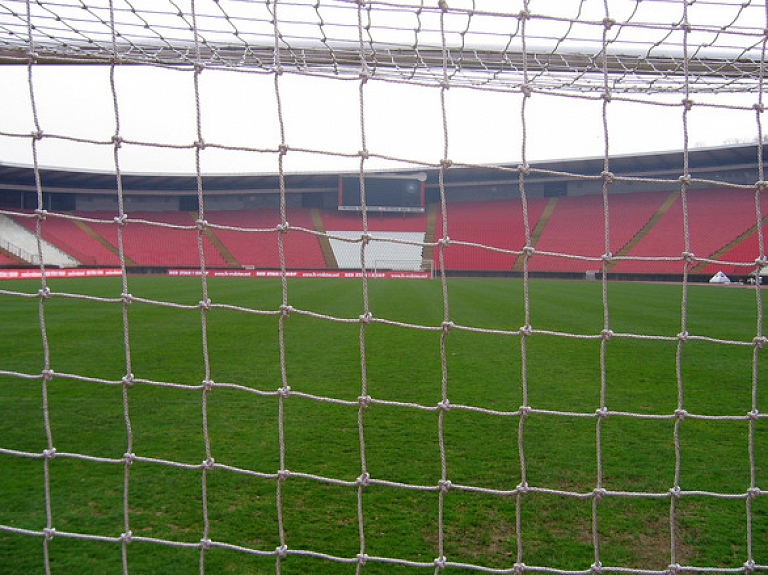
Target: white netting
644,53
548,46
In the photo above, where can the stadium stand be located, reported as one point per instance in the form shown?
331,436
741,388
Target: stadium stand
14,234
388,250
260,248
715,218
496,223
742,250
152,245
721,223
7,260
577,226
402,227
66,235
149,245
377,222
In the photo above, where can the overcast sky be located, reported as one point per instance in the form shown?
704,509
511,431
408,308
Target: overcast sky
157,105
239,109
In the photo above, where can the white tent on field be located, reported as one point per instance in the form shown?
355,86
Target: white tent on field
719,278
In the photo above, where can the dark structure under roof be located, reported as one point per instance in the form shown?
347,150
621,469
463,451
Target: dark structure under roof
727,166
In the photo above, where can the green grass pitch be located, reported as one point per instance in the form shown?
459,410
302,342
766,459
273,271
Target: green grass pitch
401,443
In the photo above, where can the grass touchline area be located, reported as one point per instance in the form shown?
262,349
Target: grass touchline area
514,442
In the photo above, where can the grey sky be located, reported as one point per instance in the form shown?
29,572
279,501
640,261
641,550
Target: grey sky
156,105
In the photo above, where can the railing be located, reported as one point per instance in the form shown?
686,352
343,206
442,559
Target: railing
20,253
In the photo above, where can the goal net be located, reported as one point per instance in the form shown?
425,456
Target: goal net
277,423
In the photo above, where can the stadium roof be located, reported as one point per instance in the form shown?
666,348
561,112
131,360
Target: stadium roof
664,165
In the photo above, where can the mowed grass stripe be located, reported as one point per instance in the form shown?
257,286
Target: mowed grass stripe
401,443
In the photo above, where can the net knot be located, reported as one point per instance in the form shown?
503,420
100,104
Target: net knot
129,458
286,310
284,228
525,410
126,537
443,5
753,492
759,342
37,135
687,104
607,334
283,474
602,412
284,392
447,326
524,169
205,304
209,463
526,330
364,401
689,257
201,224
49,532
362,558
529,251
445,163
526,90
127,380
753,415
207,384
199,67
676,492
282,149
44,293
607,257
364,76
607,176
749,566
441,562
205,544
47,374
366,318
608,23
41,214
121,220
596,568
519,568
681,414
364,154
523,15
522,488
682,336
126,298
49,453
117,141
761,185
444,485
444,242
761,262
599,493
674,569
363,479
282,551
444,405
607,98
759,107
